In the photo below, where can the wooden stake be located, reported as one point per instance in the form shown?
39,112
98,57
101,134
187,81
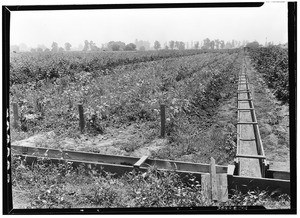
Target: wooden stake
16,116
162,120
81,118
213,178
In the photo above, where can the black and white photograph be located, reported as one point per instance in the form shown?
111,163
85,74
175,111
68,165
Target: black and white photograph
149,108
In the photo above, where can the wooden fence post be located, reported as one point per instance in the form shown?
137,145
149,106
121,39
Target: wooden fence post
16,116
81,117
215,186
162,120
213,180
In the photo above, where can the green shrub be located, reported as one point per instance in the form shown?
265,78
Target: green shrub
272,63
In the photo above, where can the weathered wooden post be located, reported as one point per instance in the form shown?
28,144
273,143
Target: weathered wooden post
16,116
214,185
213,179
81,117
162,120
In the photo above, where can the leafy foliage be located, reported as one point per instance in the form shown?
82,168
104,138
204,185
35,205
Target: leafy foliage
272,63
32,67
62,186
124,94
191,87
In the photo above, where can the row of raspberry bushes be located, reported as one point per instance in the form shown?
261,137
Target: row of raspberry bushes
272,63
129,94
28,67
191,87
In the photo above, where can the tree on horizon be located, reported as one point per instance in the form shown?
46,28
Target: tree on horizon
156,45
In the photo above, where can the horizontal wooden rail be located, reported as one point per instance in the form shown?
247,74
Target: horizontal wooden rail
246,184
275,174
117,159
75,155
245,109
247,139
117,169
245,123
246,99
250,156
244,91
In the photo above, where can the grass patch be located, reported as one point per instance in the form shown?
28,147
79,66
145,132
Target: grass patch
62,186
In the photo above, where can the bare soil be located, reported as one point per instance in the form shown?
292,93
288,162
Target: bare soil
127,141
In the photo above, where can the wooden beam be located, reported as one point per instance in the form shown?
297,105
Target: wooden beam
250,156
213,180
246,109
247,139
75,155
116,159
246,99
24,150
284,175
245,123
243,90
186,166
245,184
140,162
116,169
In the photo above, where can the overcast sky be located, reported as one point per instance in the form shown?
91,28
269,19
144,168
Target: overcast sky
101,26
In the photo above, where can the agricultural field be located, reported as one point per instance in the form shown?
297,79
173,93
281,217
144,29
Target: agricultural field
121,94
27,67
121,107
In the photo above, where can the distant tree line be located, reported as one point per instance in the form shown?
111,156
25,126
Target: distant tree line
205,44
143,45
